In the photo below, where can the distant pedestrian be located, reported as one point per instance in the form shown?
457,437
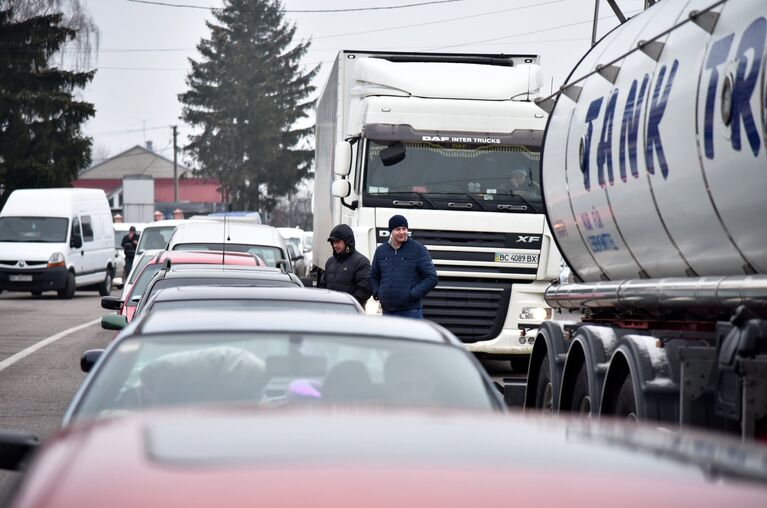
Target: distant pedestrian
347,270
402,273
129,243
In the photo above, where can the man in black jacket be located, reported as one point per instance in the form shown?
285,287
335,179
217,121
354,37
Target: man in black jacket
347,270
129,243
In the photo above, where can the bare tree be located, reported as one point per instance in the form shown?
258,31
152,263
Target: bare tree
83,49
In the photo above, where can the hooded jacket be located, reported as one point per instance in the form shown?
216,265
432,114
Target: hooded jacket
349,270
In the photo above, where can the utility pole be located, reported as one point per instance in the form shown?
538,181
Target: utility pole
175,166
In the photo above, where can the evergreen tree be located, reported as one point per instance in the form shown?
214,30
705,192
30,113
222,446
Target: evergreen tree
41,144
245,95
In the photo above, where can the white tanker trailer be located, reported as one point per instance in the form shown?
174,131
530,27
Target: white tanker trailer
655,185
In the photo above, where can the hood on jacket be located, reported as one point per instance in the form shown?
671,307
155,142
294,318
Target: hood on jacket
345,233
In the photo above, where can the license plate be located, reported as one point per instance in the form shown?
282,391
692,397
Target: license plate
20,278
505,257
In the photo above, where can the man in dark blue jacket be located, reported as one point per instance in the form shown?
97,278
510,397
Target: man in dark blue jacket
402,272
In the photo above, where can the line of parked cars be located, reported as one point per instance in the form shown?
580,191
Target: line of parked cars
229,383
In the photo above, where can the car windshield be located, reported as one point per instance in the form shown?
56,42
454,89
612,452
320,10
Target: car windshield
136,270
485,172
258,304
33,229
154,238
274,369
269,254
142,282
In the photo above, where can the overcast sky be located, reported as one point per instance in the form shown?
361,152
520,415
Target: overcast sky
144,49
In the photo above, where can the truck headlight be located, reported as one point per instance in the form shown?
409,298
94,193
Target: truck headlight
56,259
535,313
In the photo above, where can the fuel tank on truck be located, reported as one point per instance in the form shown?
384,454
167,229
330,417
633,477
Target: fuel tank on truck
655,155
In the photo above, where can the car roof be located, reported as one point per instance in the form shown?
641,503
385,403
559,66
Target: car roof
209,231
125,226
237,320
207,257
223,271
231,457
164,223
185,293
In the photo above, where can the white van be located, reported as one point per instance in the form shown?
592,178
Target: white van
155,235
56,240
263,241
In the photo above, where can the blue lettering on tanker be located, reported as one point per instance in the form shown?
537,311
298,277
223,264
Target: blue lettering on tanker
752,43
717,56
749,57
657,108
630,128
591,115
601,242
604,148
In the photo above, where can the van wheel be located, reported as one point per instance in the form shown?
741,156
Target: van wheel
105,288
69,289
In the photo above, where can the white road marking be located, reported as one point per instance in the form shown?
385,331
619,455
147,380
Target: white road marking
39,345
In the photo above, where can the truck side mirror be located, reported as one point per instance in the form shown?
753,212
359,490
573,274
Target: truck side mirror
343,158
341,188
393,154
76,241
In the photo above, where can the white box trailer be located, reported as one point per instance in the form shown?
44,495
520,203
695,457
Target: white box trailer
466,125
56,240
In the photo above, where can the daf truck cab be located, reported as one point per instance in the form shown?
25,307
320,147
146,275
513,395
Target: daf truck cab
452,142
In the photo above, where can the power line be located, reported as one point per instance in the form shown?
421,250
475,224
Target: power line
519,34
314,11
128,131
437,21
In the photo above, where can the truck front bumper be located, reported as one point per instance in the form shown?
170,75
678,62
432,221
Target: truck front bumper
507,343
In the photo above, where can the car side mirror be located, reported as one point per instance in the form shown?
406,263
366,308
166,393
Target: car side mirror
111,303
114,322
283,265
297,258
76,242
89,359
16,448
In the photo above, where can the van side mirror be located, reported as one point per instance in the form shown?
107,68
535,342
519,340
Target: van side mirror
76,241
342,164
341,188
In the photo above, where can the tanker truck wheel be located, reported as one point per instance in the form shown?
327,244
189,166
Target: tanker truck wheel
581,398
544,395
625,404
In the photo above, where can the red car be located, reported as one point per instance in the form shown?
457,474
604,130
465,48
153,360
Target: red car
291,458
127,307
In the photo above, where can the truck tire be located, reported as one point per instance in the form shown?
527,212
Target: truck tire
105,288
69,288
543,389
581,401
625,404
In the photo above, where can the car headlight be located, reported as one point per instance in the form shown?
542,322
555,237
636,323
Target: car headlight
535,313
56,259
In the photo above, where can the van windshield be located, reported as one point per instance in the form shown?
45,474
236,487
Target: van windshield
34,229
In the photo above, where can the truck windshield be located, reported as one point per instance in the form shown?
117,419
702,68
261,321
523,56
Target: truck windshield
484,173
34,229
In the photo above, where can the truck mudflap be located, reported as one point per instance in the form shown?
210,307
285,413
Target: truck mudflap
741,377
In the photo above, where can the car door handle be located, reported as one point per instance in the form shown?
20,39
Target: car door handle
82,253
